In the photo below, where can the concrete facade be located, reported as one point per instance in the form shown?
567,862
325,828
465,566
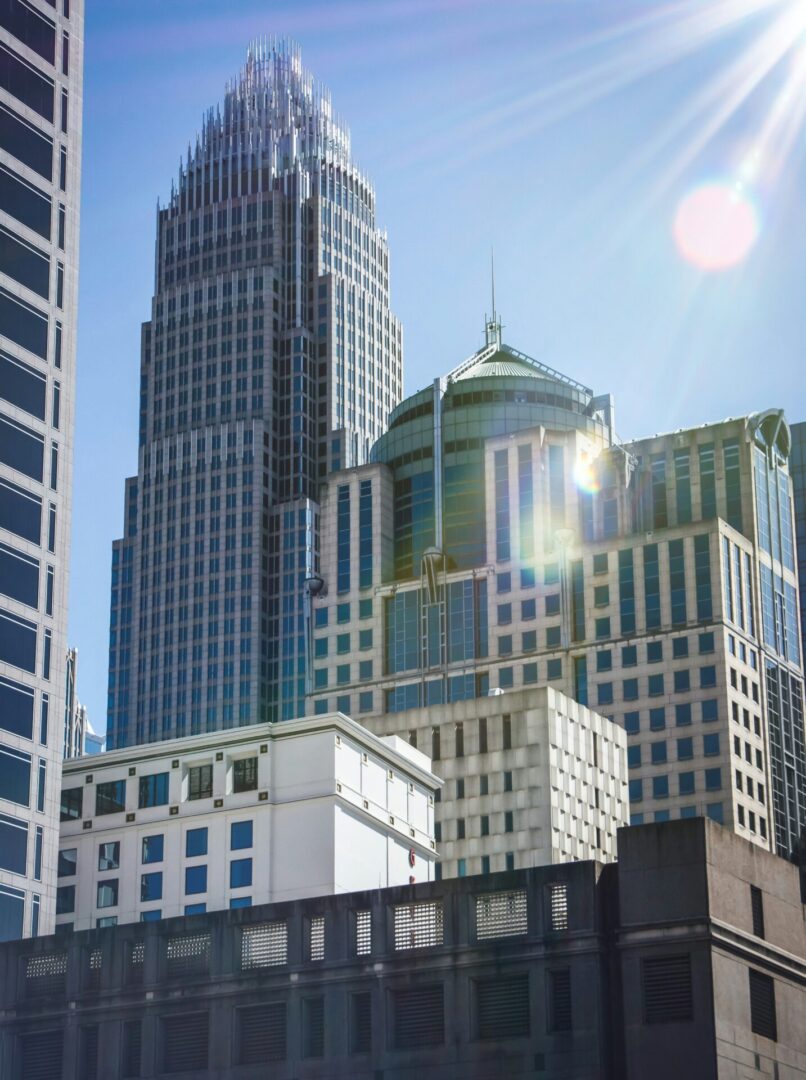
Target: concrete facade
41,60
241,818
637,969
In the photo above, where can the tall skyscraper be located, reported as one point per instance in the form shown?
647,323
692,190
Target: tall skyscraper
502,538
41,61
270,358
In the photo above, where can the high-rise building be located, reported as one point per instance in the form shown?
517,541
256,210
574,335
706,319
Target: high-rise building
503,537
271,356
41,61
75,714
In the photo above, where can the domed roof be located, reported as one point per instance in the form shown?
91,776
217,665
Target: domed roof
500,363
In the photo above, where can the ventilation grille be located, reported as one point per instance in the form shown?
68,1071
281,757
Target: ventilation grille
560,1008
89,1053
262,1033
363,933
265,945
361,1024
186,1042
757,904
188,955
135,964
762,1005
132,1049
419,1017
41,1053
418,926
557,895
667,989
501,914
94,968
313,1027
45,974
318,937
503,1007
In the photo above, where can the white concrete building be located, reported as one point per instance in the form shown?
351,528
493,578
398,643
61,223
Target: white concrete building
248,816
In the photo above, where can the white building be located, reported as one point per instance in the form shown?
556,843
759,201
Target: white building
247,816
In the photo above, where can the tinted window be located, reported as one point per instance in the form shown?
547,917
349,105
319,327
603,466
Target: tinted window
109,855
153,847
195,879
15,776
24,263
25,143
19,577
68,858
65,899
17,642
195,842
154,790
27,85
29,27
20,512
16,708
13,844
21,448
240,835
71,804
12,904
24,203
22,385
110,797
23,325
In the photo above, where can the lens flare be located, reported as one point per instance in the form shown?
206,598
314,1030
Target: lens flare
716,226
585,477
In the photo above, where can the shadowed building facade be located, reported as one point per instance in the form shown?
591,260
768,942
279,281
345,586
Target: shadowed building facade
270,357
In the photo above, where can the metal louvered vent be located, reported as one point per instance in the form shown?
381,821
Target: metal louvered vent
94,968
262,1033
763,1020
313,1027
264,945
41,1053
363,933
501,914
667,989
318,937
186,1042
561,1016
132,1049
361,1023
45,974
89,1052
757,905
557,895
188,955
503,1007
418,925
135,963
419,1017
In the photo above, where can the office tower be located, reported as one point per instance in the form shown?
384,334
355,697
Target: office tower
270,357
502,537
797,469
41,59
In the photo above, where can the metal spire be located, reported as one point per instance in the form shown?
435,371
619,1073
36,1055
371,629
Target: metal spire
492,329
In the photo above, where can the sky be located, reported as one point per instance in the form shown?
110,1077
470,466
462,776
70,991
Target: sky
638,168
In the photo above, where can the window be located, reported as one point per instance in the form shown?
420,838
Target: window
553,637
508,780
706,642
630,689
529,641
505,645
629,656
503,582
682,714
107,895
152,849
658,753
710,710
528,609
109,856
509,821
634,756
240,873
151,886
686,783
632,723
200,782
601,595
655,685
707,677
240,835
195,842
68,858
554,669
244,774
757,909
602,628
679,648
763,1019
654,652
342,613
657,719
716,812
527,577
110,797
636,790
71,804
65,899
15,776
713,779
553,604
600,563
530,673
364,609
605,694
685,749
504,614
604,660
660,787
360,1023
154,790
195,879
342,644
710,745
682,681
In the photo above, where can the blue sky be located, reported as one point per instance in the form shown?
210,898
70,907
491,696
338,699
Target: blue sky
563,133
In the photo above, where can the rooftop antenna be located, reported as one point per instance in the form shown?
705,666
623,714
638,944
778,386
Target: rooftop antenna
492,330
492,277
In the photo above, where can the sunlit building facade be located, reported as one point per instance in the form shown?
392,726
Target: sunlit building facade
271,356
503,538
41,64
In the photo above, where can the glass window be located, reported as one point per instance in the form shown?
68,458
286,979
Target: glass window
605,694
707,677
343,613
553,637
342,674
195,842
527,577
713,779
195,909
503,582
71,804
685,749
660,787
110,797
504,614
240,873
342,644
554,669
604,660
707,642
107,893
151,886
529,609
553,604
240,902
154,790
679,647
68,858
710,710
153,915
632,723
65,899
364,640
634,756
602,628
601,595
629,656
200,782
529,640
505,645
320,617
506,677
15,776
240,835
710,744
365,704
682,714
195,879
715,812
551,573
365,609
630,689
244,774
530,673
658,753
109,855
152,849
600,563
654,652
657,719
636,790
655,685
682,681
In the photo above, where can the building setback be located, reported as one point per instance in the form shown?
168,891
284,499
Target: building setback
271,356
276,812
41,67
685,958
502,537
